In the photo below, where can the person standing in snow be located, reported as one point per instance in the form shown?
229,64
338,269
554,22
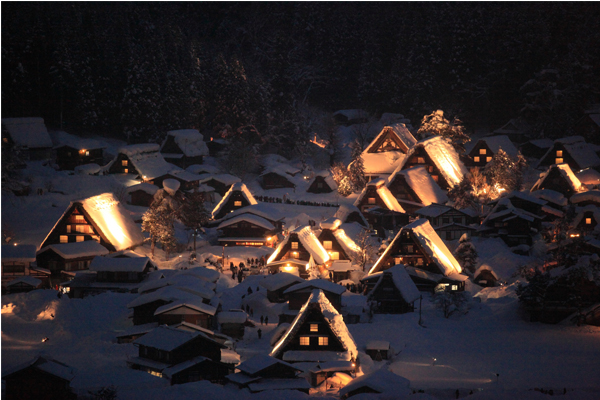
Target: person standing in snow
259,333
266,320
249,290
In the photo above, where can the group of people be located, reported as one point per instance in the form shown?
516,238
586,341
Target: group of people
269,199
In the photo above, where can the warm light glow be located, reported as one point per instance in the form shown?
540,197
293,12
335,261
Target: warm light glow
574,235
269,239
15,244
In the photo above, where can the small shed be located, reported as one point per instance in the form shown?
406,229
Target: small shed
395,292
16,261
485,276
322,183
233,323
23,284
378,350
142,194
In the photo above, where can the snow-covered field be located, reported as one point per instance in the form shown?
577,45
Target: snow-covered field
491,350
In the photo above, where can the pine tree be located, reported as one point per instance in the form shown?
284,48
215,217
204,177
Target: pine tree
466,254
192,212
435,124
505,172
462,194
159,222
356,169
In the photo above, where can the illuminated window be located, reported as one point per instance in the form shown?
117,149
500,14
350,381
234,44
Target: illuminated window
96,238
397,260
488,159
87,153
64,239
81,228
588,221
304,340
419,261
327,244
68,228
295,245
126,170
80,238
372,200
420,160
323,340
559,153
430,168
237,203
559,161
79,219
295,254
435,177
314,327
476,159
481,151
454,287
124,163
335,255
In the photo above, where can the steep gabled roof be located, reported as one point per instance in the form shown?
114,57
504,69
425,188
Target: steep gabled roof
168,339
236,187
319,301
583,153
565,171
279,280
192,303
28,132
383,192
345,210
320,284
88,248
310,243
399,130
190,141
46,364
146,158
422,184
251,218
498,142
402,281
595,210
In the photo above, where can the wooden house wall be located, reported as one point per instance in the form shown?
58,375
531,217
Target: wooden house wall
144,314
206,370
449,217
378,146
117,166
371,193
14,269
453,232
582,226
55,263
429,165
386,222
272,180
401,254
185,314
287,251
244,229
388,297
300,297
557,182
327,235
402,190
141,198
566,158
69,219
230,206
475,152
319,185
314,316
33,384
68,157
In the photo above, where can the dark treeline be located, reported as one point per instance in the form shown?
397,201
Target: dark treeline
134,70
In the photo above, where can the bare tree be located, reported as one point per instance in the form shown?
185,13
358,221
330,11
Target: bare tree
367,252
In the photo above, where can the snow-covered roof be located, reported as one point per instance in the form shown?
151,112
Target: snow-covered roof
167,338
310,243
515,125
382,163
498,142
259,362
113,220
347,209
88,248
551,196
433,210
342,266
314,284
236,187
144,187
202,169
378,345
137,264
225,179
194,303
565,171
542,143
190,141
87,169
147,160
444,157
590,195
135,149
319,301
485,267
595,210
589,177
401,132
21,252
279,280
232,317
28,132
138,329
29,280
349,246
182,174
583,153
66,139
177,368
251,218
423,184
383,192
168,293
380,381
431,243
330,223
326,174
47,364
403,283
171,186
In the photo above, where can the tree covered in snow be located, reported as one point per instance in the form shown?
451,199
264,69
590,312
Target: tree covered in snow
435,124
341,177
11,165
462,194
159,221
192,212
356,169
505,173
466,254
367,252
451,303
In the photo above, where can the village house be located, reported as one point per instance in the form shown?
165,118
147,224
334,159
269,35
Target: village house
184,147
30,135
536,148
17,262
485,276
276,284
299,293
322,183
556,204
586,198
141,160
69,257
261,210
262,372
486,148
238,196
452,222
192,310
381,381
220,182
275,178
233,323
142,194
187,180
418,245
439,158
560,178
394,292
388,149
295,251
572,150
42,378
72,151
349,214
180,356
246,230
335,241
21,284
378,350
384,222
317,335
341,270
415,188
587,220
517,130
376,194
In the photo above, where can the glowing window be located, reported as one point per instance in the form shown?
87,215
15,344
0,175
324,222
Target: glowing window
454,287
237,203
559,161
327,244
397,260
64,239
588,221
87,153
481,151
79,219
476,159
372,200
559,153
81,228
304,341
435,177
323,340
314,327
80,238
420,160
126,170
295,245
124,163
68,228
488,159
419,261
335,255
